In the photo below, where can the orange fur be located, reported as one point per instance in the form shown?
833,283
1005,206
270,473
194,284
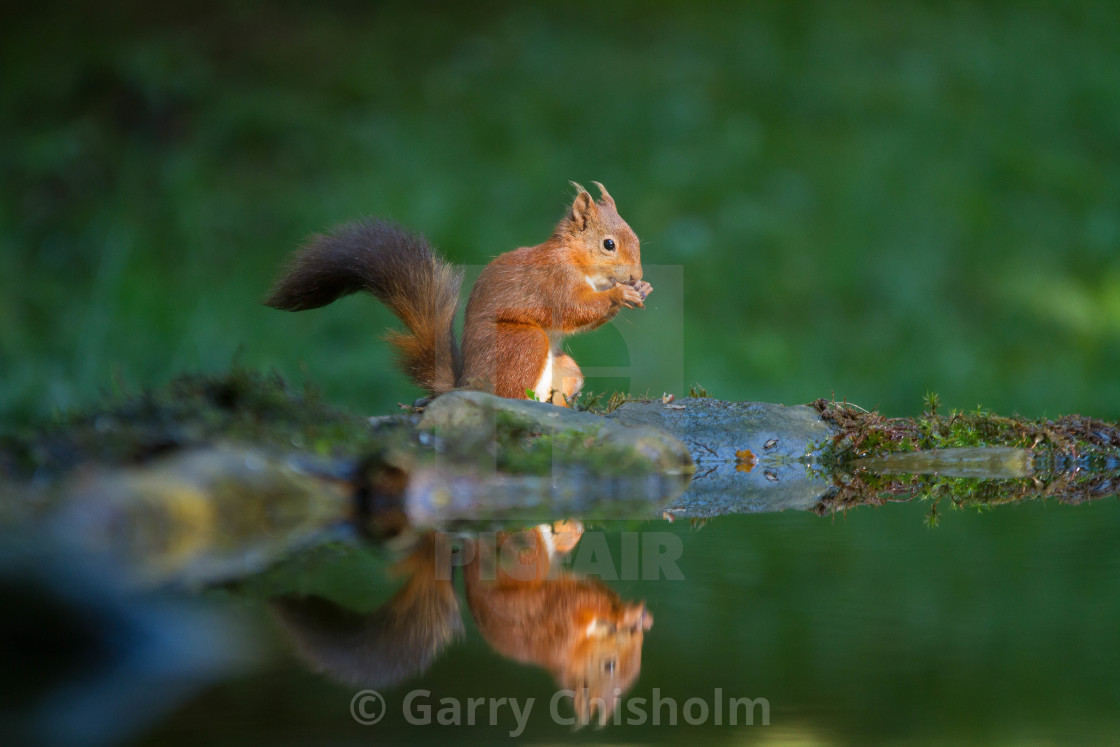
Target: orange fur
576,628
588,638
400,269
520,310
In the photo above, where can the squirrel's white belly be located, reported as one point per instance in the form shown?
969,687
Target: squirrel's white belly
542,392
551,376
545,384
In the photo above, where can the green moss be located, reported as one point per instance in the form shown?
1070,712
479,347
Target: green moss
601,403
1074,458
862,433
242,406
519,447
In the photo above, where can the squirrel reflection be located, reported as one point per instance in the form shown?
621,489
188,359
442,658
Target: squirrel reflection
588,638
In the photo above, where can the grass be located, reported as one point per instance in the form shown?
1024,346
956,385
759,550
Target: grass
875,199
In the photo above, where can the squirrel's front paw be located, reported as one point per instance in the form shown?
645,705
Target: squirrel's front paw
631,298
566,534
644,288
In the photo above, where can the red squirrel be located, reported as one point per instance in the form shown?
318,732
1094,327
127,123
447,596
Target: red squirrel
520,310
581,631
525,606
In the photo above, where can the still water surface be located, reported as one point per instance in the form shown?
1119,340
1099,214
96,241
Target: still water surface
997,625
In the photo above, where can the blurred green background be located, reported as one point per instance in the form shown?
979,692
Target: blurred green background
872,199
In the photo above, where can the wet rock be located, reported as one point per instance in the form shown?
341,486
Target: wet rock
749,456
721,488
440,497
715,430
479,412
198,516
534,461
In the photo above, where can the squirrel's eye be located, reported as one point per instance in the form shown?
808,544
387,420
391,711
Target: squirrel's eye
608,244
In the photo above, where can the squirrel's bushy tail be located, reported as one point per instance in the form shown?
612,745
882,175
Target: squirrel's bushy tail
400,269
395,642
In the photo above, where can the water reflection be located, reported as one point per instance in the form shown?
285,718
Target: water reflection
194,520
525,606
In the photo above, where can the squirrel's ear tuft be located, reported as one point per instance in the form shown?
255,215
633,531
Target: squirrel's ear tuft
583,208
606,196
